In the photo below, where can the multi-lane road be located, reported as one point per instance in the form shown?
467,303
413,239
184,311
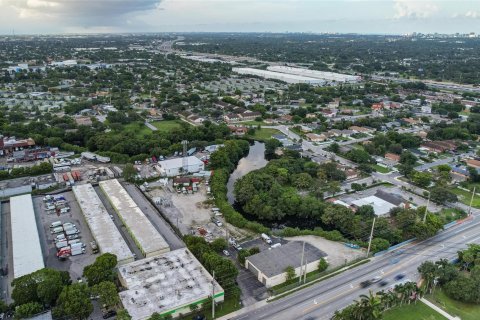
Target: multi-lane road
321,300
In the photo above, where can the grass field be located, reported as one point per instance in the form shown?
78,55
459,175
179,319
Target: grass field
226,307
167,125
380,169
264,134
455,308
418,311
254,123
465,197
138,128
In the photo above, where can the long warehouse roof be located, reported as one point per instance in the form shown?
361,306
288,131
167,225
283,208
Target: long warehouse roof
145,234
102,227
288,78
324,75
27,252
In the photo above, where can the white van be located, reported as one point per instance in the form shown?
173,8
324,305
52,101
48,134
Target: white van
56,224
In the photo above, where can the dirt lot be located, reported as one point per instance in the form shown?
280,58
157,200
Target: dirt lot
337,253
74,265
189,212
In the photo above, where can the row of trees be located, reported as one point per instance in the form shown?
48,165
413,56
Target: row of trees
461,280
373,306
48,288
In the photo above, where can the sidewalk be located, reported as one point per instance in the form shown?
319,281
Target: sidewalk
439,310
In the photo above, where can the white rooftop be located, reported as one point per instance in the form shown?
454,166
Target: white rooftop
163,283
380,206
178,162
27,252
324,75
101,225
145,235
288,78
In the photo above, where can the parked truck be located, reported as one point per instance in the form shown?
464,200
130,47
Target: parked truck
57,230
77,248
266,238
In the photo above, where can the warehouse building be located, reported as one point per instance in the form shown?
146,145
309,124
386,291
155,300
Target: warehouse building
103,229
285,77
174,167
269,265
169,284
322,75
27,252
147,238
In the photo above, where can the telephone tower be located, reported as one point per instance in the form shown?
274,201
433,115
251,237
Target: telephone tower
185,157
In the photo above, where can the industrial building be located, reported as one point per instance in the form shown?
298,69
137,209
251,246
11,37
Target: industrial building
27,252
285,77
174,167
168,284
103,229
382,202
322,75
147,238
269,265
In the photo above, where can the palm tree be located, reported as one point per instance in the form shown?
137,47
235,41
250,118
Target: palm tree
371,307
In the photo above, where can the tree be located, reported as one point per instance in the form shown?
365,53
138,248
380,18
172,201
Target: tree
289,273
122,314
219,159
428,272
379,244
442,195
129,172
322,265
219,244
366,211
421,179
74,302
302,181
333,187
101,270
107,292
27,310
270,146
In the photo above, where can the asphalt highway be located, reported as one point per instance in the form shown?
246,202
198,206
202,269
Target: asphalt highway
321,300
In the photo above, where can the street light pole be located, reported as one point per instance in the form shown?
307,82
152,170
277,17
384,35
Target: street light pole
471,201
426,208
371,237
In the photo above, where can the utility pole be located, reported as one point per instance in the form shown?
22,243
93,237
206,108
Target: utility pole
305,271
471,201
213,294
371,237
426,208
301,264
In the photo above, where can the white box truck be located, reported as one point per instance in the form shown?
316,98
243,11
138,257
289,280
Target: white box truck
56,224
77,248
57,230
266,238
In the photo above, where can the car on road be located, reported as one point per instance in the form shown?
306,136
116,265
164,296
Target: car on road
225,252
237,247
366,283
376,279
382,283
399,276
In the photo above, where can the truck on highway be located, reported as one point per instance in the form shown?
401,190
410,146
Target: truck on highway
266,238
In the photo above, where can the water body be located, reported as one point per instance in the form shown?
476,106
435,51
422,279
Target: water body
253,161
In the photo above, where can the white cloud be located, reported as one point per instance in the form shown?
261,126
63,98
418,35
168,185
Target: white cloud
473,14
82,12
414,9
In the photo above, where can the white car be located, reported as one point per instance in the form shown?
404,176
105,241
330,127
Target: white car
225,252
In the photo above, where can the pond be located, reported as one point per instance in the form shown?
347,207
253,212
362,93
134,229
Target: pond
253,161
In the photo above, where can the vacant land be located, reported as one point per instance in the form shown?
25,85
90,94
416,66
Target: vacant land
455,308
167,125
264,134
417,311
138,128
380,169
465,197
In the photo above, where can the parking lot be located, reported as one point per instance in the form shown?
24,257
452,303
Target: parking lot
73,264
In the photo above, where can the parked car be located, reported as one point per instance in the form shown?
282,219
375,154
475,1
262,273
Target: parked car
225,252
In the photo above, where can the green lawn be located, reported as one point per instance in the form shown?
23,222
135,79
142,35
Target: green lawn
465,197
451,214
418,311
264,134
226,307
380,169
138,128
255,123
455,308
167,125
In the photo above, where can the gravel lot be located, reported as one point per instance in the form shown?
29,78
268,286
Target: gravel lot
337,253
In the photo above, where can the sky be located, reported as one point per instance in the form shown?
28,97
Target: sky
342,16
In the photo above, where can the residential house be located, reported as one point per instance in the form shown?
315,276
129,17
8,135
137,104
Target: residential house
238,131
358,129
83,121
196,119
473,163
305,129
316,137
249,115
439,146
392,157
283,139
231,117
